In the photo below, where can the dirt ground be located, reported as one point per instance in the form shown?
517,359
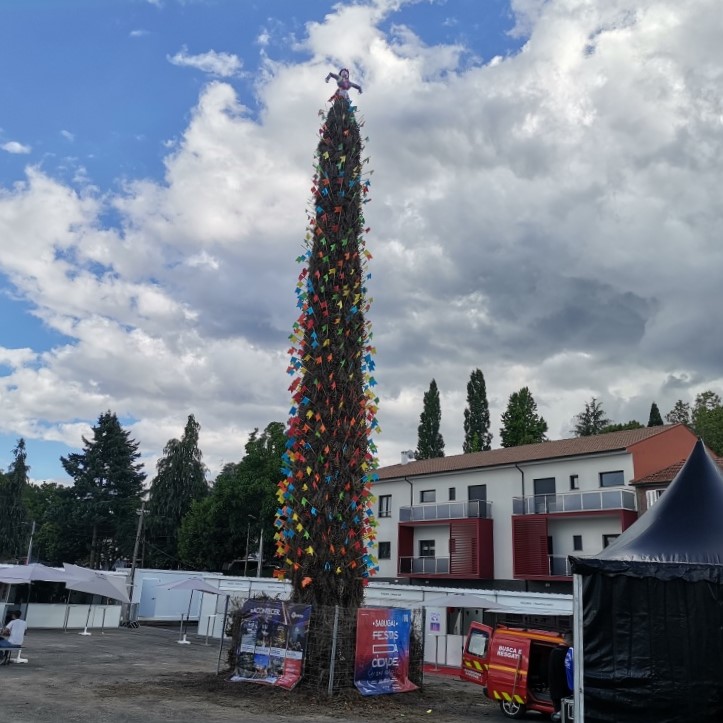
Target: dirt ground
145,676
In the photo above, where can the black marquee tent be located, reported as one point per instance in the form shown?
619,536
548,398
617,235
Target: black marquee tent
651,609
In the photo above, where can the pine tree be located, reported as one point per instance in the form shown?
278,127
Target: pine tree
477,436
430,443
108,482
13,484
325,521
180,480
591,420
655,420
521,424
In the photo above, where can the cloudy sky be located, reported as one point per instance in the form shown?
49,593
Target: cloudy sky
545,206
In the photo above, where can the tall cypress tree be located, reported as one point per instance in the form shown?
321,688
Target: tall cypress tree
108,482
430,442
655,420
477,436
325,521
180,479
13,533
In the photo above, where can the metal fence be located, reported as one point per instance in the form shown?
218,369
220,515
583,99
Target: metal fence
329,657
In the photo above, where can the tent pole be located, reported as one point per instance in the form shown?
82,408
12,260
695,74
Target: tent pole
183,640
67,612
223,633
87,618
578,656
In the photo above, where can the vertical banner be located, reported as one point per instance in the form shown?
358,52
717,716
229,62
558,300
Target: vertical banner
381,663
272,642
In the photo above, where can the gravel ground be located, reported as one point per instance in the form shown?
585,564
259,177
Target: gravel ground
145,676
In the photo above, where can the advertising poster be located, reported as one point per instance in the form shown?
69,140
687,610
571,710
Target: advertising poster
272,642
381,664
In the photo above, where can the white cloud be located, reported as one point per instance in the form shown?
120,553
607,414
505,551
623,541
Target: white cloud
551,218
222,65
67,135
138,33
15,147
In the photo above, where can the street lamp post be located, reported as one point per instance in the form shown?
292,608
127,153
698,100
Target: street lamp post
248,538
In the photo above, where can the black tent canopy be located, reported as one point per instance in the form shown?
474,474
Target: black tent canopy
652,609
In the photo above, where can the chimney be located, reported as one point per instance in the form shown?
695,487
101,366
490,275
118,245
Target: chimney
407,456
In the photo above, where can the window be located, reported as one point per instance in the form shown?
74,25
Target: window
428,496
544,486
385,505
576,543
477,644
477,492
426,548
612,479
609,539
574,482
544,495
385,550
651,497
452,494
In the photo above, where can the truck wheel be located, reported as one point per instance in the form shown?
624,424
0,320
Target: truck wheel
512,709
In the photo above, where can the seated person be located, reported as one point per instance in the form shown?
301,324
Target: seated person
15,632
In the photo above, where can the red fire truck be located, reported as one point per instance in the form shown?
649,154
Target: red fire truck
511,665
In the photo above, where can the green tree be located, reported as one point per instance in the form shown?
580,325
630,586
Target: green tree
655,420
243,499
430,442
477,435
521,424
325,522
679,414
707,420
13,532
60,531
591,420
108,480
621,426
180,480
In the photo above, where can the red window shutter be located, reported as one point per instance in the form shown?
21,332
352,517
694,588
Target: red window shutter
529,544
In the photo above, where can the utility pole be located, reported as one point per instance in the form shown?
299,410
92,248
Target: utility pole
30,544
139,529
260,560
248,537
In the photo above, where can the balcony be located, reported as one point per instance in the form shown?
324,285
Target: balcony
423,565
560,566
596,500
473,509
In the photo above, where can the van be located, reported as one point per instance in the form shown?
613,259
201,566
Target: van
511,665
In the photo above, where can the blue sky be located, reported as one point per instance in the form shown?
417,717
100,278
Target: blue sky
543,192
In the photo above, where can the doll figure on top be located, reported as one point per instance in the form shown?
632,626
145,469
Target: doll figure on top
342,84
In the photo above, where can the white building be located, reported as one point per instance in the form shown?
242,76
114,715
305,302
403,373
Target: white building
508,518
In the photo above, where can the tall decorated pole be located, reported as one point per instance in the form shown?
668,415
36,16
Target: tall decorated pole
325,524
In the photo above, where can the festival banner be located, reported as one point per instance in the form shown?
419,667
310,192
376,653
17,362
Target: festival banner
272,642
381,663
